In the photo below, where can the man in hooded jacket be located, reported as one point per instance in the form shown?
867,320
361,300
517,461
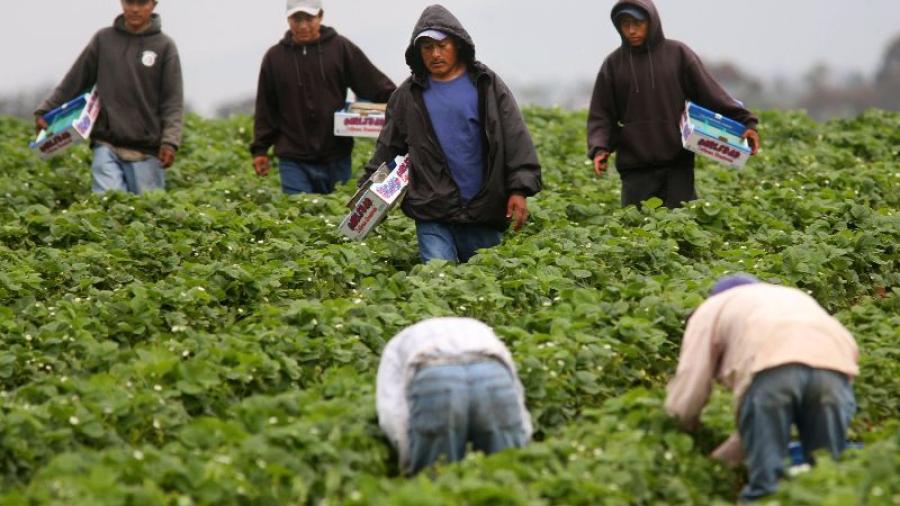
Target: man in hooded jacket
137,72
473,160
638,100
302,83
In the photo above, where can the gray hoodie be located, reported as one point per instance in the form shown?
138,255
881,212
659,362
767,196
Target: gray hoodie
138,77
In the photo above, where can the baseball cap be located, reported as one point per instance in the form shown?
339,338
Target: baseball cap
635,12
732,281
431,34
311,7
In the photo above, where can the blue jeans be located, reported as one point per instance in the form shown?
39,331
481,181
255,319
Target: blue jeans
453,405
820,402
303,177
109,173
453,242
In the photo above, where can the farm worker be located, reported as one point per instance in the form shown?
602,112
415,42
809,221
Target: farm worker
445,383
637,103
302,83
787,361
473,160
137,71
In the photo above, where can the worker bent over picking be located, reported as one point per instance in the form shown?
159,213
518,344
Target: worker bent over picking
788,362
445,383
473,160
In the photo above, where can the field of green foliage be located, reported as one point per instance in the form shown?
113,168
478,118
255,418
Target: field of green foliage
217,344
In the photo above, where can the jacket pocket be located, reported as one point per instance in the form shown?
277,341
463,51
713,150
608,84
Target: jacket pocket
648,143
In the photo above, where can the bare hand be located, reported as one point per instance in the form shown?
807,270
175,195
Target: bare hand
166,156
601,163
517,211
261,165
39,124
752,137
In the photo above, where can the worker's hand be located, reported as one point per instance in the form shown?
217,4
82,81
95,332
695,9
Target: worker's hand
261,165
601,162
517,210
752,137
39,124
166,156
731,452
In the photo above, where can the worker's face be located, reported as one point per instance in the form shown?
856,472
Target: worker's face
634,31
441,57
305,28
137,13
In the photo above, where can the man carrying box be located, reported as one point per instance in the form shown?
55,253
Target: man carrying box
473,160
788,362
302,83
444,384
137,72
638,100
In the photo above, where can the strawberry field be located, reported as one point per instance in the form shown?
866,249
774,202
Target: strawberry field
217,344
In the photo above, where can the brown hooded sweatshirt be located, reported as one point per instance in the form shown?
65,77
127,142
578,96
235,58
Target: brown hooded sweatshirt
640,94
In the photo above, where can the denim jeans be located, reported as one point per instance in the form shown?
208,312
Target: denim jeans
302,177
109,173
820,402
453,242
454,405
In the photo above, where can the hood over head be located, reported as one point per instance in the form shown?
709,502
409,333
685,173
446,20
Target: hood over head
437,17
655,33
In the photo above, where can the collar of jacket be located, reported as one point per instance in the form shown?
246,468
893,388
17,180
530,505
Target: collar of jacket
327,33
477,71
154,27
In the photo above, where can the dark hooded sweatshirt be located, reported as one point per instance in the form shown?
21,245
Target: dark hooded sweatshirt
138,78
301,86
640,94
510,160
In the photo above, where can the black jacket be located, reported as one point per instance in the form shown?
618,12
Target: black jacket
640,94
510,161
300,89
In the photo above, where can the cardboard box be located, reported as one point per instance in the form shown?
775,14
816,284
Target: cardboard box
375,199
68,125
714,136
360,120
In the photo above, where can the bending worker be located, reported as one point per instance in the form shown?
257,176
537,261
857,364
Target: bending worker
445,383
788,362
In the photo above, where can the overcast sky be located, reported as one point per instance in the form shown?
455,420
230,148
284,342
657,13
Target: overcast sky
222,41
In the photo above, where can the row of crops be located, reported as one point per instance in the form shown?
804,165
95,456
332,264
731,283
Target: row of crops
217,344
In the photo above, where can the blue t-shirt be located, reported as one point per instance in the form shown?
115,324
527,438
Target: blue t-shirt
453,108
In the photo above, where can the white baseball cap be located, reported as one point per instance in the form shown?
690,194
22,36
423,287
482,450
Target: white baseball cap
311,7
431,34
